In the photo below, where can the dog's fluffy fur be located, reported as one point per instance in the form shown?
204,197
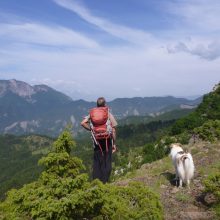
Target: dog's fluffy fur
183,163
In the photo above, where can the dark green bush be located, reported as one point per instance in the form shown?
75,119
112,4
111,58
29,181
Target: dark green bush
209,131
183,138
212,185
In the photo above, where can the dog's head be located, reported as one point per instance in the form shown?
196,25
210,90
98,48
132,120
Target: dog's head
175,145
175,148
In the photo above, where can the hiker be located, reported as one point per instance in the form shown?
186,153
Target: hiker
102,125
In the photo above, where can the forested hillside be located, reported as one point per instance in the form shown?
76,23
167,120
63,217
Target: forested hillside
18,159
170,115
200,133
208,110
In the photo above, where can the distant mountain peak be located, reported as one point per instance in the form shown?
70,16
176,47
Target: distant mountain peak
19,88
41,88
31,94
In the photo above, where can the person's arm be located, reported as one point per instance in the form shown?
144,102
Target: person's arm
114,124
114,134
85,123
114,148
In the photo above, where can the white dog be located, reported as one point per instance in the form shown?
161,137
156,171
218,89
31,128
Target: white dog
183,163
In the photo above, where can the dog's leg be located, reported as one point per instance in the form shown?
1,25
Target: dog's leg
176,180
180,183
176,174
176,177
188,184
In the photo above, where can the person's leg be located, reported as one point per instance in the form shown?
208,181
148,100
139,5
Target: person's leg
97,172
102,162
107,163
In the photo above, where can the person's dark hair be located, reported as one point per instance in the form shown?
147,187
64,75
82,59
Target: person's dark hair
101,102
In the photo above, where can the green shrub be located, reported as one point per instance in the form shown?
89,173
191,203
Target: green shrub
183,138
209,131
212,185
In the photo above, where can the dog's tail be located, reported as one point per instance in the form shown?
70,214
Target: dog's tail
188,166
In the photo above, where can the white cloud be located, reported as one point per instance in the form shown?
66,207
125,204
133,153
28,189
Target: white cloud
197,28
207,50
122,72
199,15
196,16
34,33
135,36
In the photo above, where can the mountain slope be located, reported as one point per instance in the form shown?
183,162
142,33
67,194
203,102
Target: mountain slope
40,109
209,109
170,115
196,202
183,203
18,159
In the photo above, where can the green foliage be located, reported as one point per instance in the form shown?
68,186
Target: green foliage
212,185
141,134
209,131
187,123
153,152
183,197
182,138
64,192
18,159
209,109
167,116
158,150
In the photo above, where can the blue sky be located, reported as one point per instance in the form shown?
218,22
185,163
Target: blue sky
125,48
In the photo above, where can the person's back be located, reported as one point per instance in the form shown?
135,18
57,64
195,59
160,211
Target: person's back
102,125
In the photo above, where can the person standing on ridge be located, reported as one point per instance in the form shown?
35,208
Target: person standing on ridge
102,125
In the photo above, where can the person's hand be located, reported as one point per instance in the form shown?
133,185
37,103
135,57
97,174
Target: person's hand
114,148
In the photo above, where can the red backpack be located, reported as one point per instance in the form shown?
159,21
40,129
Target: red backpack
100,123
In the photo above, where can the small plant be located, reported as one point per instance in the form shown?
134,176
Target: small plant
212,185
183,197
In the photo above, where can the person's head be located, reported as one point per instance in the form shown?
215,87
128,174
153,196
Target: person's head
101,102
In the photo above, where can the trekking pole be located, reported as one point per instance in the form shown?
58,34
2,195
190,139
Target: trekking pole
93,137
96,142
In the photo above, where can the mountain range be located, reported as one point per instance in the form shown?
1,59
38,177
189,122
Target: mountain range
43,110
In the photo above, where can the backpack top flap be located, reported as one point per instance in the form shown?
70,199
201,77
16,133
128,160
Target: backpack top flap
99,116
